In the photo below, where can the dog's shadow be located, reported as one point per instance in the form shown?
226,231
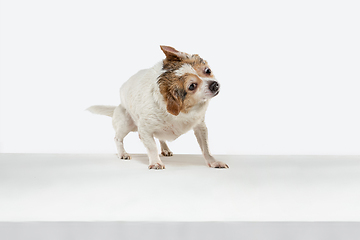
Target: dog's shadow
177,160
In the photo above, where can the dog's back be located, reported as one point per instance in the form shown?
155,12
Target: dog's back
140,94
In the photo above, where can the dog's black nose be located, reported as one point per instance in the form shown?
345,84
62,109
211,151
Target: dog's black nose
214,86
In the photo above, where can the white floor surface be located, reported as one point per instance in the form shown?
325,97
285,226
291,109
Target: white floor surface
101,187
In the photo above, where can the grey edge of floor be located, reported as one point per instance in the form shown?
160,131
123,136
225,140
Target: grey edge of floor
180,230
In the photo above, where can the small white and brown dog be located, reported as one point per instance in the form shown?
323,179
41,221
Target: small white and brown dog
165,102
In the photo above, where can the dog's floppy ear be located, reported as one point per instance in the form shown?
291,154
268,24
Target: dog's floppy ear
174,101
173,104
172,54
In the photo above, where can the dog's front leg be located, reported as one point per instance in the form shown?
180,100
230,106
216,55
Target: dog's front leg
149,142
201,134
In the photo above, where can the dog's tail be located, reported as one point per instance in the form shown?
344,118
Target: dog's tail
102,110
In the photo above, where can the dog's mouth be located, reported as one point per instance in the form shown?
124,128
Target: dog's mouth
209,95
216,93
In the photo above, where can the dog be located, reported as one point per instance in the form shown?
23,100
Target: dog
164,102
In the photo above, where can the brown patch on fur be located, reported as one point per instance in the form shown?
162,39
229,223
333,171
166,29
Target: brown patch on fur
174,88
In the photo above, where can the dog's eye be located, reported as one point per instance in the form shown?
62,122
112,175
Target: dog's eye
207,71
192,86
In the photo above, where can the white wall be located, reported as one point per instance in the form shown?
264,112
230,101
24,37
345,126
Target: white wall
289,72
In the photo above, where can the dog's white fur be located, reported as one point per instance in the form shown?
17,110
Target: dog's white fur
144,110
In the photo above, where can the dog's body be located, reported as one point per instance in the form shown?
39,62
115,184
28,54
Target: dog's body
165,102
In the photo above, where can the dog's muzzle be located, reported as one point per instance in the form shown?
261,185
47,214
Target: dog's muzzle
214,87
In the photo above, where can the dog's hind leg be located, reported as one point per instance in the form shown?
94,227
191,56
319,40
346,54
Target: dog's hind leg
165,151
123,124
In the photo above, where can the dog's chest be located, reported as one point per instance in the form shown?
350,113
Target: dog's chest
173,128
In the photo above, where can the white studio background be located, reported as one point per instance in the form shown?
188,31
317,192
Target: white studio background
289,72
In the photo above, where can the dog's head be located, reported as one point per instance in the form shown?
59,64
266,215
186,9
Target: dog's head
187,81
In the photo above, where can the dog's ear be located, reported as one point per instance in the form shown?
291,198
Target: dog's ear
172,54
174,101
173,105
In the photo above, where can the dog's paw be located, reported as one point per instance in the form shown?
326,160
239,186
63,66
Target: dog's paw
167,153
125,156
218,165
157,166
